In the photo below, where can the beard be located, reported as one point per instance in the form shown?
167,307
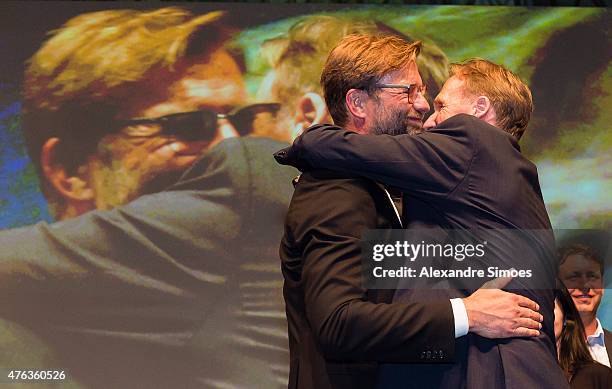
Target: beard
121,171
115,187
396,122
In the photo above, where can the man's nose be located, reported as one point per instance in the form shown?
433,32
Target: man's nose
421,104
225,130
431,121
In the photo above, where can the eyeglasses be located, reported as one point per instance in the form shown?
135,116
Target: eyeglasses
197,125
412,90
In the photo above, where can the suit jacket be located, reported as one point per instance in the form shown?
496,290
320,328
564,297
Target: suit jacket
608,342
338,330
179,289
592,376
463,174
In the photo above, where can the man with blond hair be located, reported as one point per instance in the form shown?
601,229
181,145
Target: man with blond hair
139,287
119,103
339,330
503,101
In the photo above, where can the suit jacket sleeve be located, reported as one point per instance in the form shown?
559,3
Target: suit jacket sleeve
431,163
325,223
169,256
608,343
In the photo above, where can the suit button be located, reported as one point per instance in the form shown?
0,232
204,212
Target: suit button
428,354
441,354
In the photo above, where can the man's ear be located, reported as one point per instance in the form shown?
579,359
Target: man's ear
310,110
484,110
356,100
73,188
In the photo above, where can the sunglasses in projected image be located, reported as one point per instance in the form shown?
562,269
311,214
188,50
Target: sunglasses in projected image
197,125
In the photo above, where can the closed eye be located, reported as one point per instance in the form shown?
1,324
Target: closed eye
398,91
438,104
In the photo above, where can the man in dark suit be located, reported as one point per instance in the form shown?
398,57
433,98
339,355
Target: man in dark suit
177,289
338,330
608,340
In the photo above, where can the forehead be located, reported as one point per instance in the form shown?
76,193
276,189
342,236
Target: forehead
212,81
578,263
452,88
409,74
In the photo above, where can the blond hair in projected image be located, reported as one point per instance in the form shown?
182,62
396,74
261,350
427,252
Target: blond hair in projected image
80,77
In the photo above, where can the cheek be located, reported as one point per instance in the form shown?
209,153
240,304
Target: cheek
431,121
450,112
282,127
597,298
401,112
132,156
464,108
558,326
110,150
442,116
394,117
129,155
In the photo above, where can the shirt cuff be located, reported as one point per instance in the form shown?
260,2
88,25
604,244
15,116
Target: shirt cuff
462,324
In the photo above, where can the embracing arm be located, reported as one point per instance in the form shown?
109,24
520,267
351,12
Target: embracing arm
433,162
152,251
325,224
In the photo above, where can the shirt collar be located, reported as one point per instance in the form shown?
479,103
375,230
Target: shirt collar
598,336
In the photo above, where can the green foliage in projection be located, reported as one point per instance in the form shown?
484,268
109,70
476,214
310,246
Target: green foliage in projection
593,135
506,35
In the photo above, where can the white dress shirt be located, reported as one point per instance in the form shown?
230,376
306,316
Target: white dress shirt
462,325
597,345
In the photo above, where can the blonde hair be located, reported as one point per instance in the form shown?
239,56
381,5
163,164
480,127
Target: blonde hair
95,53
510,97
77,81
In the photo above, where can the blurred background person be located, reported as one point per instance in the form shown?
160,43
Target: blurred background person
581,370
581,269
179,286
110,102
